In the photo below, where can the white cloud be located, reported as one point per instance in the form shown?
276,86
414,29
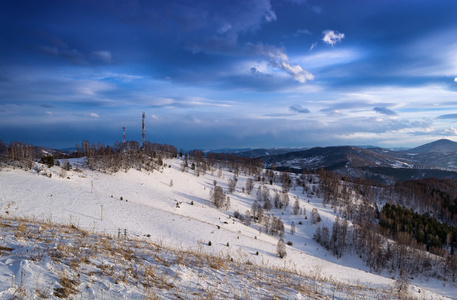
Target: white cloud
331,37
199,101
302,31
119,76
103,55
49,113
93,115
162,101
312,46
455,79
279,59
224,28
270,16
91,88
297,72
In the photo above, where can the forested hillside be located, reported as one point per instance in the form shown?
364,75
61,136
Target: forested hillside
406,231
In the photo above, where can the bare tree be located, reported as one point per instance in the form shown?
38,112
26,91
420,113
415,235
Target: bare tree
257,211
285,199
232,184
402,283
249,186
281,248
296,208
315,217
267,204
218,197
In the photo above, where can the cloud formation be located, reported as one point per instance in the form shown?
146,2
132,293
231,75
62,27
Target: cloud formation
235,66
103,55
256,72
58,48
93,115
331,37
447,116
211,26
277,58
71,55
385,111
299,109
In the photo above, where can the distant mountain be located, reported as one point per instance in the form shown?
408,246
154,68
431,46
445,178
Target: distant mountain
228,150
69,150
440,146
334,158
437,159
256,153
56,153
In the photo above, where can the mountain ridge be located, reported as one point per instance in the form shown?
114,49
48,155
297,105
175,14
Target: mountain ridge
440,146
436,159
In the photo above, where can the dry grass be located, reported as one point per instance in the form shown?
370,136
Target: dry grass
87,258
4,250
67,286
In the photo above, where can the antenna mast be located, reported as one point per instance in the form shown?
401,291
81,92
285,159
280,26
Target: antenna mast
143,127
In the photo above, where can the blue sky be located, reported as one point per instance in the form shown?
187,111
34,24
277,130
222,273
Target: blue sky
229,74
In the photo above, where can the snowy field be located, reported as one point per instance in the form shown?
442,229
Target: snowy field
162,216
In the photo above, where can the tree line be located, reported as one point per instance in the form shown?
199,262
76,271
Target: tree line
396,237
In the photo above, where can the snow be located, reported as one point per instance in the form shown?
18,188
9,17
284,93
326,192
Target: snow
143,208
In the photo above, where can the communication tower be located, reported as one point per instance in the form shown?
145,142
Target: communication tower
143,128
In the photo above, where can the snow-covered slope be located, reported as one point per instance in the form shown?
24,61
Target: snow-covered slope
172,208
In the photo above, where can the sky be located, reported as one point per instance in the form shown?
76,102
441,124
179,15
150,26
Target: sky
215,74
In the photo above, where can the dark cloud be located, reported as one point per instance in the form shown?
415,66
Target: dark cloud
73,56
207,26
59,48
256,72
385,111
447,116
299,109
230,59
345,105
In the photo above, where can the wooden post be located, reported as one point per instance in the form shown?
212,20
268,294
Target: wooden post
91,186
101,214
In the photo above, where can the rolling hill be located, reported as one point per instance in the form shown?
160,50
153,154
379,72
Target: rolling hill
163,221
437,159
